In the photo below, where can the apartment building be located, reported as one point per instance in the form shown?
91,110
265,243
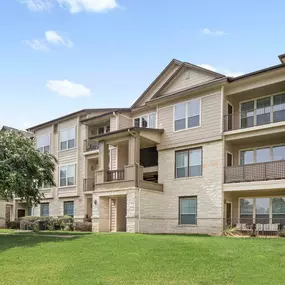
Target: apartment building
196,152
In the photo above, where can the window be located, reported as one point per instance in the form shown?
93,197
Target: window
101,130
188,163
188,210
189,110
68,208
29,211
247,114
67,138
43,143
146,121
279,108
263,111
260,155
278,152
278,210
246,211
44,209
67,175
263,210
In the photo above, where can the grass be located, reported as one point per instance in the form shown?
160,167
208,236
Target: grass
140,259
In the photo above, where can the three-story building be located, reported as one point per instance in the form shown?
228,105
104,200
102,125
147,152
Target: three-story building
196,152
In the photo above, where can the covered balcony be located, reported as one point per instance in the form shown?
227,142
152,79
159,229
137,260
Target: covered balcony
128,159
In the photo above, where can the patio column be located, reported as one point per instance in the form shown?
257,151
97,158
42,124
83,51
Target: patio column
103,162
134,149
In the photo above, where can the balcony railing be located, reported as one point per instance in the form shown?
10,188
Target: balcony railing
88,184
113,175
255,117
272,170
90,145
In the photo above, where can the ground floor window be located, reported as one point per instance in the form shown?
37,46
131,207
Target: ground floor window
262,210
68,208
29,210
44,209
188,210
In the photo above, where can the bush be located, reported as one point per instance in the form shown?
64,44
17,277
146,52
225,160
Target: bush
282,233
14,225
83,227
231,231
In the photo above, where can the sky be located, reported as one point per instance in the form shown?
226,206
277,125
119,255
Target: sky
60,56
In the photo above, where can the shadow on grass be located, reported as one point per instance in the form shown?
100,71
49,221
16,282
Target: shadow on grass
29,240
182,235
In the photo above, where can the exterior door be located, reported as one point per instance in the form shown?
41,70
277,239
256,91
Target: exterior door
228,214
230,117
113,215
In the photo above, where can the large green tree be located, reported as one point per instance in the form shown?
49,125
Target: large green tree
23,169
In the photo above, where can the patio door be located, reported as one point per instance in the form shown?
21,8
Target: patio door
230,117
228,213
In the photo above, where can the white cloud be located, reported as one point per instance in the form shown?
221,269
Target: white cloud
38,5
74,6
210,32
51,38
224,71
54,38
39,45
67,88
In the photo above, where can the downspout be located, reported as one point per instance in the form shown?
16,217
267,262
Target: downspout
137,184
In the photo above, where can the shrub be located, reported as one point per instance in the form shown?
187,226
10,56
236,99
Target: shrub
83,226
14,225
231,231
282,233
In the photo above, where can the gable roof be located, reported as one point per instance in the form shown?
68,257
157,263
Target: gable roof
189,65
10,129
77,113
171,63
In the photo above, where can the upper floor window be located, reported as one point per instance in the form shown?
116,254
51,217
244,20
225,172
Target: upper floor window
146,121
187,115
262,111
67,138
67,175
188,163
43,143
264,154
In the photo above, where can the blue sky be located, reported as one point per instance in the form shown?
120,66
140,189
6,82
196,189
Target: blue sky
57,57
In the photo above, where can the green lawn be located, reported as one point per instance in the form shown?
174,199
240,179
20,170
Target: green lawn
140,259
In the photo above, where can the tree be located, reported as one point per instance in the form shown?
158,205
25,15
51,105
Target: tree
23,169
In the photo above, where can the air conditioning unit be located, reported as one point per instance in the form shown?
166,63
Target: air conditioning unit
93,131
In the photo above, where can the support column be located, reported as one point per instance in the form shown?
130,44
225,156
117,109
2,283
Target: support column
103,162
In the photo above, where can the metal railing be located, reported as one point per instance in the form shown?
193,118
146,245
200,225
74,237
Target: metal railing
113,175
257,226
90,145
88,184
254,117
272,170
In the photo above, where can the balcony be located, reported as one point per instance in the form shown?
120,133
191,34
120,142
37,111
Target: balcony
90,145
115,175
255,117
273,170
88,184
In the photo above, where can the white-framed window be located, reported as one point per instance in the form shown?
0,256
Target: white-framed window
188,163
43,143
68,208
67,175
187,115
67,138
261,111
264,210
44,209
188,210
146,121
262,154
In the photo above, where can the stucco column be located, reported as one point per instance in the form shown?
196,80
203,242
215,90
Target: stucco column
134,149
103,162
